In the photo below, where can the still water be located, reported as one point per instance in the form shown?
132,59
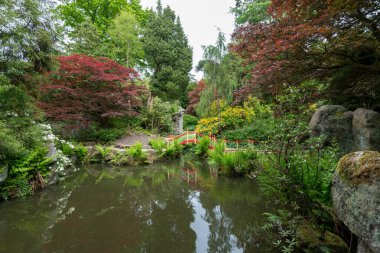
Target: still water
177,206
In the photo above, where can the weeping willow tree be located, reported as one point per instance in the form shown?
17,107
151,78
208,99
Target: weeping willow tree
219,68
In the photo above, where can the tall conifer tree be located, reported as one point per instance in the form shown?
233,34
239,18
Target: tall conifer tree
168,55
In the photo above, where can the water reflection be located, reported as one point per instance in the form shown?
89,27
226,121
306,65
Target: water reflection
179,206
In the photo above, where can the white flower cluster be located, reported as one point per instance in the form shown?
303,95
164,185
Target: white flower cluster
69,144
47,133
12,114
61,160
61,163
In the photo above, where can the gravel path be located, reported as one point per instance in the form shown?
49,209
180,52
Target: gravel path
132,138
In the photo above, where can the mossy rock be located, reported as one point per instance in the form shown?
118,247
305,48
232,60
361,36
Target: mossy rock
355,194
313,241
360,167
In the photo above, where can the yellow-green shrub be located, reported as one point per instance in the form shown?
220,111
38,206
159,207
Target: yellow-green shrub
230,118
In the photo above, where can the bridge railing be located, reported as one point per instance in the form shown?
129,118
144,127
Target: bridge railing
194,137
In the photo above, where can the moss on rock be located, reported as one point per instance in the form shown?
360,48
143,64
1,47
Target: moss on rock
313,241
360,167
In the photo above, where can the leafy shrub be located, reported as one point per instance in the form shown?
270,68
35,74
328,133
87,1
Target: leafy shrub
19,135
236,116
67,148
81,152
230,118
159,117
210,125
203,146
23,172
174,150
11,148
299,174
136,152
94,133
299,171
189,122
239,163
282,230
259,130
216,155
121,158
109,134
233,163
158,145
103,153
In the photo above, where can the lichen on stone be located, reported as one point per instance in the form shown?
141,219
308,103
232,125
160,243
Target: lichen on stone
360,167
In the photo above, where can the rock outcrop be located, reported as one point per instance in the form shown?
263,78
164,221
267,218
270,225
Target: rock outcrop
356,197
366,129
354,131
334,122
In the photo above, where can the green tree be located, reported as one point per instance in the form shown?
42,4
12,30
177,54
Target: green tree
168,55
220,74
88,40
27,40
120,40
124,33
28,36
251,11
98,12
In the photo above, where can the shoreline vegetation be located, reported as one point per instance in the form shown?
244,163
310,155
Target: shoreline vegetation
76,78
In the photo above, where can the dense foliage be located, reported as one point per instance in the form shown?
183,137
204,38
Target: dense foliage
100,13
28,34
334,41
195,96
221,76
158,116
168,55
86,89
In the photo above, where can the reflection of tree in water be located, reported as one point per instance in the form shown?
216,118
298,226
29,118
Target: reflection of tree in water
168,228
28,222
164,208
230,206
219,239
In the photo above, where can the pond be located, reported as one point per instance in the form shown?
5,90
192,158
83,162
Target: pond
176,206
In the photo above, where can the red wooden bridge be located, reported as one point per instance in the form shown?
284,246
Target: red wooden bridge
194,137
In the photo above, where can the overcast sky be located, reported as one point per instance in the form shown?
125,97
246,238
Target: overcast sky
200,19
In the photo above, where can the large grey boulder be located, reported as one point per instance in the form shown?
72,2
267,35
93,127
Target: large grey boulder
3,173
356,197
366,129
354,131
334,122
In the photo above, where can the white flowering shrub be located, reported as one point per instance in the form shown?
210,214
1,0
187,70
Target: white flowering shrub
64,149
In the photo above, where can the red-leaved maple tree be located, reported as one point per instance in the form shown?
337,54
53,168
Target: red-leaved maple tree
87,89
195,96
335,41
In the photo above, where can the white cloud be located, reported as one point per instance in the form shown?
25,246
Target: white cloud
200,20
